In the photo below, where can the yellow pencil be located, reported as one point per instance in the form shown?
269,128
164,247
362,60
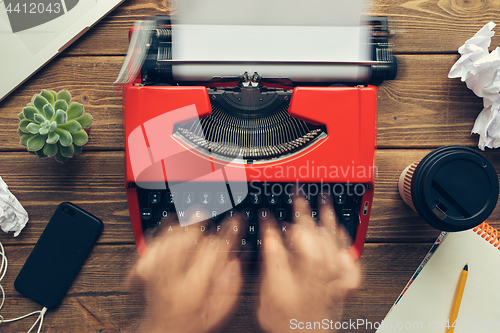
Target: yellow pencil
457,299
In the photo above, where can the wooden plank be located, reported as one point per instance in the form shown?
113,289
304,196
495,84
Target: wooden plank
422,26
99,301
430,26
94,181
421,108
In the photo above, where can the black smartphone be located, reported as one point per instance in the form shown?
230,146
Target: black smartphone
58,255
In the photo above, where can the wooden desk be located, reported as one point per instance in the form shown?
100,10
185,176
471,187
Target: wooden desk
421,110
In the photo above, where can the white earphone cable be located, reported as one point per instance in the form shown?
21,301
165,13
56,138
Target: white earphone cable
3,270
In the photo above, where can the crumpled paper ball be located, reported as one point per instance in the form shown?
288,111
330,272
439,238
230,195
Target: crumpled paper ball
13,217
480,70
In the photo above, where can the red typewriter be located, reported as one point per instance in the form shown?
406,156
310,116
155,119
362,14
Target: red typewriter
248,143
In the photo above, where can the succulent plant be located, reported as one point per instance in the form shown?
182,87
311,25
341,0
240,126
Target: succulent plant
52,126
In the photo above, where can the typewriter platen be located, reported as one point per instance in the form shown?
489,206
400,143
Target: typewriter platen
249,143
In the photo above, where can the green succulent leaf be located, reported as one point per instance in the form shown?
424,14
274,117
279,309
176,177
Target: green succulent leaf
53,137
71,126
65,95
53,126
64,137
49,111
61,105
43,130
54,94
80,138
39,118
21,116
67,151
59,158
33,128
23,124
29,112
50,149
78,150
85,120
31,103
75,110
36,142
25,138
61,117
21,133
48,96
39,101
41,154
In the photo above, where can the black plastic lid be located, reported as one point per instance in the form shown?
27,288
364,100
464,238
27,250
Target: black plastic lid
454,188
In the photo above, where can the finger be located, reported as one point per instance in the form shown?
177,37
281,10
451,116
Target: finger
309,250
302,213
166,228
352,273
157,257
307,240
333,235
181,241
200,272
190,233
229,239
221,241
274,253
205,260
289,233
224,293
347,277
343,239
148,271
327,217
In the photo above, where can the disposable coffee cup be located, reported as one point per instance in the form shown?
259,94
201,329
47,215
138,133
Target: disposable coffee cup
453,188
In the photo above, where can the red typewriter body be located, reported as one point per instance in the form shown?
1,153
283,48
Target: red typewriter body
349,114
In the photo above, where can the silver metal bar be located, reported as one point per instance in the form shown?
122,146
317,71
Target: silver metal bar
272,62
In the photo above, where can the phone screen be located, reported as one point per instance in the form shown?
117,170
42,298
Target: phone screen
58,255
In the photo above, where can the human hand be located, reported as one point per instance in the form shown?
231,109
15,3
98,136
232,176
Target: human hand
189,291
306,273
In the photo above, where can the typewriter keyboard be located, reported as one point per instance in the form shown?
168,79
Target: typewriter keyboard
161,207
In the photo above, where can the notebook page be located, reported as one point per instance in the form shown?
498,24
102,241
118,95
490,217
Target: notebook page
426,305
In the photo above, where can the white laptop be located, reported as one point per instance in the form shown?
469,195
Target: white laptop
33,32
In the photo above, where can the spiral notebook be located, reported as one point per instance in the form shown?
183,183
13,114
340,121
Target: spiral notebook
426,303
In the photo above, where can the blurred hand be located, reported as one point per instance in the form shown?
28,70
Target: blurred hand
306,273
189,291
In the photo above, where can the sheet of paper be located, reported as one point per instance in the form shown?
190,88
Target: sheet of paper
479,69
265,12
261,30
13,217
